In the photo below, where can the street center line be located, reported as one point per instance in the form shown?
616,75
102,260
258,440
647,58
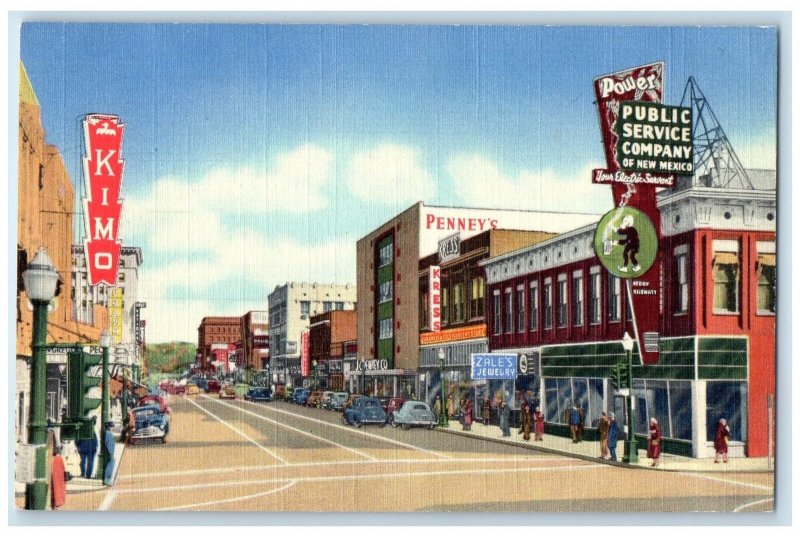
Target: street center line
356,477
108,500
729,481
240,433
295,429
751,504
228,500
353,431
222,470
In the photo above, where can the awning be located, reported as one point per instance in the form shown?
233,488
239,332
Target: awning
726,258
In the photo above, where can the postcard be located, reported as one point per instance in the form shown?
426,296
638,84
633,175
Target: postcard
376,268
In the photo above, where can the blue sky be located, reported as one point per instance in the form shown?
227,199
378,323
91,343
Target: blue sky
256,153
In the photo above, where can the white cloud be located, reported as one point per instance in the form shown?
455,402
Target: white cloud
480,182
389,174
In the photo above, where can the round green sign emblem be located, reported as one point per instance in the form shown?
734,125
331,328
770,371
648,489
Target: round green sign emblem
626,242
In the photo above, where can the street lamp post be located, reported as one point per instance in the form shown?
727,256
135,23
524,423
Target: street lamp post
105,403
125,419
314,374
631,455
443,416
40,280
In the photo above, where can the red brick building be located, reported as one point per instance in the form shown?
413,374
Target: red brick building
329,333
216,331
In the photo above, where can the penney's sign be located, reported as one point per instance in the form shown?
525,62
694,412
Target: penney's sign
102,168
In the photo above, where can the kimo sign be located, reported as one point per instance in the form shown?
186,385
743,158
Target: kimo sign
102,168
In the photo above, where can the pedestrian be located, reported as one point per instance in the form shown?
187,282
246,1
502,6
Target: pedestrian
111,442
505,418
654,445
437,407
602,428
574,421
721,441
468,415
582,420
527,422
450,406
58,480
91,452
613,436
538,425
486,411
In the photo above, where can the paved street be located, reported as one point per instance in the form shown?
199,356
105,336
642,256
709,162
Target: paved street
238,456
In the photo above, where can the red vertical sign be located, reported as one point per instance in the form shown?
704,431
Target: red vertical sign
644,83
103,168
305,358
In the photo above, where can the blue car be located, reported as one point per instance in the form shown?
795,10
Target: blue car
364,410
151,423
258,394
300,396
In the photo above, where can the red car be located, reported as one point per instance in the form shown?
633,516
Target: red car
213,386
154,400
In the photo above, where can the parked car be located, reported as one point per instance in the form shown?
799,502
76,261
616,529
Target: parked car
192,389
326,398
280,392
287,393
338,399
314,399
153,399
150,423
364,410
350,400
241,389
227,392
202,384
393,405
414,414
258,394
300,395
213,386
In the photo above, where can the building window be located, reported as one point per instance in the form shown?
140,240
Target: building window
121,277
726,399
766,282
476,298
385,293
509,312
562,302
577,300
385,254
445,305
424,320
594,301
682,280
726,282
497,312
520,309
385,329
339,306
305,308
459,303
548,305
614,298
328,305
534,315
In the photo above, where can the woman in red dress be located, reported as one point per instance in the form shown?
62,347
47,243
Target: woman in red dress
538,430
721,441
59,490
654,444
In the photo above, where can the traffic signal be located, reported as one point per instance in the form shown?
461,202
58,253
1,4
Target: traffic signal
82,377
619,377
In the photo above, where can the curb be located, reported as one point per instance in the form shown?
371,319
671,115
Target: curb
600,460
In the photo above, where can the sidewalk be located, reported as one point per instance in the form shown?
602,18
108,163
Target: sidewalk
590,450
81,484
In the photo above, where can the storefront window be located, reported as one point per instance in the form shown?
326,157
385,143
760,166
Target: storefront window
726,399
596,399
680,404
551,400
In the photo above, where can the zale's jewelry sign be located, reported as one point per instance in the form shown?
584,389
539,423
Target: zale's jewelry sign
102,167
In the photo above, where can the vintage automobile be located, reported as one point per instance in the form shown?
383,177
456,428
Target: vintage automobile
300,395
202,384
326,398
227,392
364,410
213,386
258,394
350,400
192,389
414,414
153,399
150,423
241,389
337,400
314,399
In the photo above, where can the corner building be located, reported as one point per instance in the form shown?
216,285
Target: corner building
554,302
387,279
